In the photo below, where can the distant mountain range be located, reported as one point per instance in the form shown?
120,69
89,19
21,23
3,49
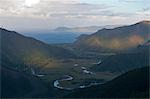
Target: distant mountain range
63,34
116,39
88,29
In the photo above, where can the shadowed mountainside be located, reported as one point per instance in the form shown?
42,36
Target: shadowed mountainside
17,84
123,62
133,84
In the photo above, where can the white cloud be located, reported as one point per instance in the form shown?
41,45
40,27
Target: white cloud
52,13
46,7
31,2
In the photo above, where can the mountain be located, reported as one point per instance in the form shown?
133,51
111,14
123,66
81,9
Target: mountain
88,29
62,29
133,84
15,84
123,62
117,39
21,51
62,34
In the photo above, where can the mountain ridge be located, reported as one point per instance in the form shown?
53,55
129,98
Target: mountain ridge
18,49
116,39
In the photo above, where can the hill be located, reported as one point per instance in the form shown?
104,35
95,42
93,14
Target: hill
117,39
88,29
123,62
15,84
19,50
133,84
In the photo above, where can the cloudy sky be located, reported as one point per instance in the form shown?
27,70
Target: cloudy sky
23,15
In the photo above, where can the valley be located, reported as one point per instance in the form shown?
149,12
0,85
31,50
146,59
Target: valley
62,70
77,69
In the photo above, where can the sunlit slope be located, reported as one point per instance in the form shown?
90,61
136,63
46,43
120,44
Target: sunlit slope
117,39
17,49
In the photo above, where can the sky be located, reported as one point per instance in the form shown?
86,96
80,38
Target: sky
21,15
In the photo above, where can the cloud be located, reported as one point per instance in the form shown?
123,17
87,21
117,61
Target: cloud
129,1
54,13
47,8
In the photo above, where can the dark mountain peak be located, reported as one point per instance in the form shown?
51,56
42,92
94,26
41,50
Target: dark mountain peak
142,23
145,22
3,29
11,34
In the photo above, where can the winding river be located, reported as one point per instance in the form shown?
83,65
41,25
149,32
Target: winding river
34,73
57,82
69,78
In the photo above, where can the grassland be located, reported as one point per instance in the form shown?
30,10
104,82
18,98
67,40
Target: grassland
74,68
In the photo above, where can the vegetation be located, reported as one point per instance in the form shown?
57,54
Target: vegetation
30,67
15,84
115,40
124,61
133,84
18,50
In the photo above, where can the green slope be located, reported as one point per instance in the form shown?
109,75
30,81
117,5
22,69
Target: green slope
133,84
117,39
125,61
19,50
